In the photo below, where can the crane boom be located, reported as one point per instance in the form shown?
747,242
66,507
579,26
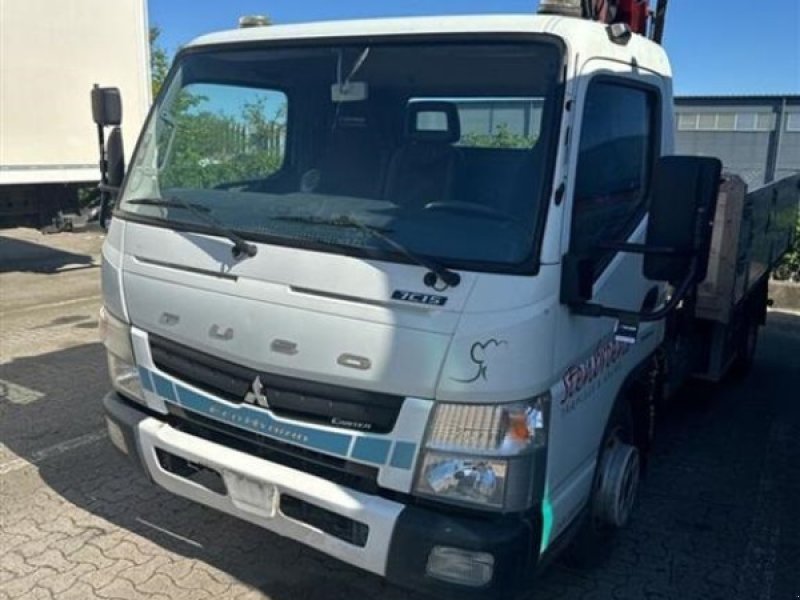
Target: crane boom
659,21
636,14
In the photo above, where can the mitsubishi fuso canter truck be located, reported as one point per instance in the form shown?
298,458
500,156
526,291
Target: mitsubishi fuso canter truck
413,292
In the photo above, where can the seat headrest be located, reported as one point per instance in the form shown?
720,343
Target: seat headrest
433,121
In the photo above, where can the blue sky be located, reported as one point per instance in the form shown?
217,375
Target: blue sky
753,48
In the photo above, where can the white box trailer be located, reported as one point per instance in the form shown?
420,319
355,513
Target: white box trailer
51,54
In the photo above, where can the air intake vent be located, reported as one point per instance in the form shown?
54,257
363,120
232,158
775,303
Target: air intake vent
569,8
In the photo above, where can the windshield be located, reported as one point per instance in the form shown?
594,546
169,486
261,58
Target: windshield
441,147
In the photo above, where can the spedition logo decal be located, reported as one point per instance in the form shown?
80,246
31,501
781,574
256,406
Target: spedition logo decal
578,377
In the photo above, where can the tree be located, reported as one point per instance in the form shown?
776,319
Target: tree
202,148
206,149
159,60
790,268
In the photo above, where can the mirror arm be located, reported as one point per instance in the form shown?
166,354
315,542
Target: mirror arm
107,192
598,310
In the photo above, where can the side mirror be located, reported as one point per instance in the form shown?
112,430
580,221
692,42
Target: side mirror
683,202
115,156
107,112
682,206
106,106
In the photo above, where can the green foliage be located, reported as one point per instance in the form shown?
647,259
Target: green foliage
502,137
790,269
86,195
159,61
203,149
210,149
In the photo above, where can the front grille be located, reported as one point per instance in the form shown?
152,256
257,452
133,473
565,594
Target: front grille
348,474
288,397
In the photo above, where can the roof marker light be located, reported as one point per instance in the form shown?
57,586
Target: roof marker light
254,21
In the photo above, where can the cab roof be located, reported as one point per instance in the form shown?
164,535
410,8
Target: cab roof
589,39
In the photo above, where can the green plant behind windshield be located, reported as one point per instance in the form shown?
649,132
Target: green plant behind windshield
501,137
219,140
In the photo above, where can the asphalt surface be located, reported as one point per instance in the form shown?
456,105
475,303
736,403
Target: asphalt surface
718,518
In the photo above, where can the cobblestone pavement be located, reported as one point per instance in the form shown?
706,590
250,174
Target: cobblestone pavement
719,516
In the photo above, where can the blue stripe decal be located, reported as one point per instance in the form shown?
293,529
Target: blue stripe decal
403,455
144,376
258,421
367,449
164,387
371,450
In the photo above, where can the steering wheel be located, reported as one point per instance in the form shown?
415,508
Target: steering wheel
470,208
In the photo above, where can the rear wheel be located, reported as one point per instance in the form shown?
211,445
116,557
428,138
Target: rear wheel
747,346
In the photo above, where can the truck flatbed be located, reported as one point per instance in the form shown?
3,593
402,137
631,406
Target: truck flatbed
752,233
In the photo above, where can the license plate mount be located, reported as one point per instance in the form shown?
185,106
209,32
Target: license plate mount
250,495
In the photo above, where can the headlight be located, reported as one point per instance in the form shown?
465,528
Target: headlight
461,479
471,451
116,336
490,430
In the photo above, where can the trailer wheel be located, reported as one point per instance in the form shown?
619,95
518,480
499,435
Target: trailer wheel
614,490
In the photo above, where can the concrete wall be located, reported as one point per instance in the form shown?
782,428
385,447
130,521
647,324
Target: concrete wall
758,138
785,295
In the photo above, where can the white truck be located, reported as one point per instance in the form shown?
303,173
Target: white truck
51,54
412,292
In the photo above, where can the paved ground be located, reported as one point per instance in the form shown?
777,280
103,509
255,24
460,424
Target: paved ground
719,516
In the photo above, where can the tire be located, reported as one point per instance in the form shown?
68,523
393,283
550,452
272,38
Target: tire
614,490
746,347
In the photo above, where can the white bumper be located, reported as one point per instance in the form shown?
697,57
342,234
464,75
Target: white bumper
379,514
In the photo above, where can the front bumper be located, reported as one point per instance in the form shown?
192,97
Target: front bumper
399,539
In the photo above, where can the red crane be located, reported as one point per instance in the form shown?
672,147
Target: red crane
634,13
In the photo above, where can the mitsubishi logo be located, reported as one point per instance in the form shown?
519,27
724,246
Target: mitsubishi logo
256,395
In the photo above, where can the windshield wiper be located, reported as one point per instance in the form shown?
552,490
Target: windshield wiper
450,278
241,247
167,203
332,222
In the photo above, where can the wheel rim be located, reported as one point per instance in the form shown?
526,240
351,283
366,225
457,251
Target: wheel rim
618,484
629,488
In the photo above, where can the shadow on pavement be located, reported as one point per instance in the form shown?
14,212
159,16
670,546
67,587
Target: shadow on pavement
22,255
718,516
55,398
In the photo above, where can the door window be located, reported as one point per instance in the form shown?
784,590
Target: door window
616,155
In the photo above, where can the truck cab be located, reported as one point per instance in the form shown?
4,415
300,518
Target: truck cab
334,287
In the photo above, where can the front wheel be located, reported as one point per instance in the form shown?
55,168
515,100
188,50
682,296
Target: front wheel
614,490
